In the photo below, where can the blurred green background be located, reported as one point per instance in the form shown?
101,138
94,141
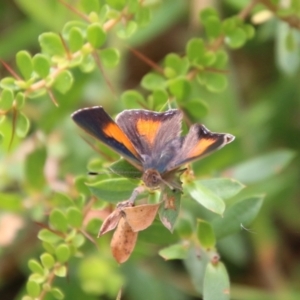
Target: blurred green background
261,106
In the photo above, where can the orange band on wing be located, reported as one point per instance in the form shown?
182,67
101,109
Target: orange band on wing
201,147
112,130
148,129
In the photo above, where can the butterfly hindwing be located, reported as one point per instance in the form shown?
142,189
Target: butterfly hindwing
198,143
96,122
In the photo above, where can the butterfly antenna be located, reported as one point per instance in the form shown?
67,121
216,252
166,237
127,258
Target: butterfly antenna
93,173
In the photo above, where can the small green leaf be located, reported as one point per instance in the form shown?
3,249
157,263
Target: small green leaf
38,278
48,236
249,30
7,99
62,200
180,88
24,63
184,227
176,251
35,267
239,215
195,109
20,100
64,81
74,217
80,183
117,4
229,25
87,64
213,27
112,190
90,6
33,288
51,44
214,82
170,208
62,253
195,263
160,98
132,6
68,27
78,240
205,234
195,50
110,57
11,202
153,81
128,30
236,38
223,187
76,39
216,282
143,15
123,168
206,197
8,83
47,260
221,59
178,65
41,65
57,293
22,126
34,168
287,49
96,35
49,247
132,99
58,220
37,93
207,13
262,167
104,11
61,271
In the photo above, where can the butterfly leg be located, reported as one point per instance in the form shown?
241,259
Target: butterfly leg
138,190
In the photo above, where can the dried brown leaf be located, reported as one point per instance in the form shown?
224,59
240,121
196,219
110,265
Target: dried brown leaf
142,216
123,241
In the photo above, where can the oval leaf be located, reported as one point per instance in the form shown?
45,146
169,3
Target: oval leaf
216,282
206,197
223,187
262,167
240,214
112,190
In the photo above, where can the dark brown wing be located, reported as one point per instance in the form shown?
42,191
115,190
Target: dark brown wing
198,143
96,122
154,135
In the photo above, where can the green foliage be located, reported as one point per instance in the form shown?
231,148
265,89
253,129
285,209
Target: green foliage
38,175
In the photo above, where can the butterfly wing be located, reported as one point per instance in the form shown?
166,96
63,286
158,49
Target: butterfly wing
198,143
153,134
96,122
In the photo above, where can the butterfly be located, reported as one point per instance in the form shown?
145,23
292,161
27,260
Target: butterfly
151,141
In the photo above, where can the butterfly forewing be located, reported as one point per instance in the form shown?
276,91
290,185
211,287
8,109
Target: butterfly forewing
96,122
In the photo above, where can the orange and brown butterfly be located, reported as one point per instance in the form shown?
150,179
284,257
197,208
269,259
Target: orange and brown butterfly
151,141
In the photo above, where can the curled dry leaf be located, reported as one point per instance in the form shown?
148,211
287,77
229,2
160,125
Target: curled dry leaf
129,220
142,216
113,219
123,241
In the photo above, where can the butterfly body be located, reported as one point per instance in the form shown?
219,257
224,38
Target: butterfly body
151,141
